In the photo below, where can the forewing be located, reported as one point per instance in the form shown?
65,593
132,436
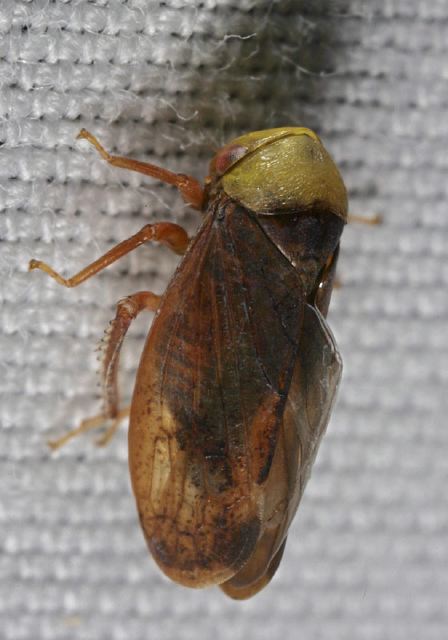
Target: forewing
209,399
313,392
310,399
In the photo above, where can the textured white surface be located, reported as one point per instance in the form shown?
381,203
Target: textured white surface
368,552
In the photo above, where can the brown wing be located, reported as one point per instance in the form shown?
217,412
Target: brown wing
311,396
209,398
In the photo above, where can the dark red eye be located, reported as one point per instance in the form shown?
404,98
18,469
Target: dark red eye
227,157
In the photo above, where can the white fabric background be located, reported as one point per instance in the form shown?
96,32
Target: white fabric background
367,555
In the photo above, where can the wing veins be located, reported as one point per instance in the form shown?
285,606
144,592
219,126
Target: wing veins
275,305
230,324
216,346
248,317
178,317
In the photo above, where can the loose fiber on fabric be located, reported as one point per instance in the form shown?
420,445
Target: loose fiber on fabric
170,82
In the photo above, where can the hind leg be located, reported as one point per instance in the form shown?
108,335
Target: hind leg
127,310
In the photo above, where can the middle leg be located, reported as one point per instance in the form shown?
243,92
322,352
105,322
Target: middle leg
171,235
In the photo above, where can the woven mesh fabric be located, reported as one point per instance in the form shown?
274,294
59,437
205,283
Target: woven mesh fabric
170,82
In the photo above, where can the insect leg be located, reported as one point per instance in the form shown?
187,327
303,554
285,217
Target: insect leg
168,233
372,220
127,310
326,283
86,425
189,187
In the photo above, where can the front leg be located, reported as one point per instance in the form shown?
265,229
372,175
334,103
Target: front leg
191,190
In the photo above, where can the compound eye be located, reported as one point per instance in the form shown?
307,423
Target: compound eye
227,157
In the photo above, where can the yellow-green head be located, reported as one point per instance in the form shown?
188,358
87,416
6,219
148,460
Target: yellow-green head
280,170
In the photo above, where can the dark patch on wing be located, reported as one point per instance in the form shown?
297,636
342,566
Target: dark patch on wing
306,238
311,396
233,341
234,544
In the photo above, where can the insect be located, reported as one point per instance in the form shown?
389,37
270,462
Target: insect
239,372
